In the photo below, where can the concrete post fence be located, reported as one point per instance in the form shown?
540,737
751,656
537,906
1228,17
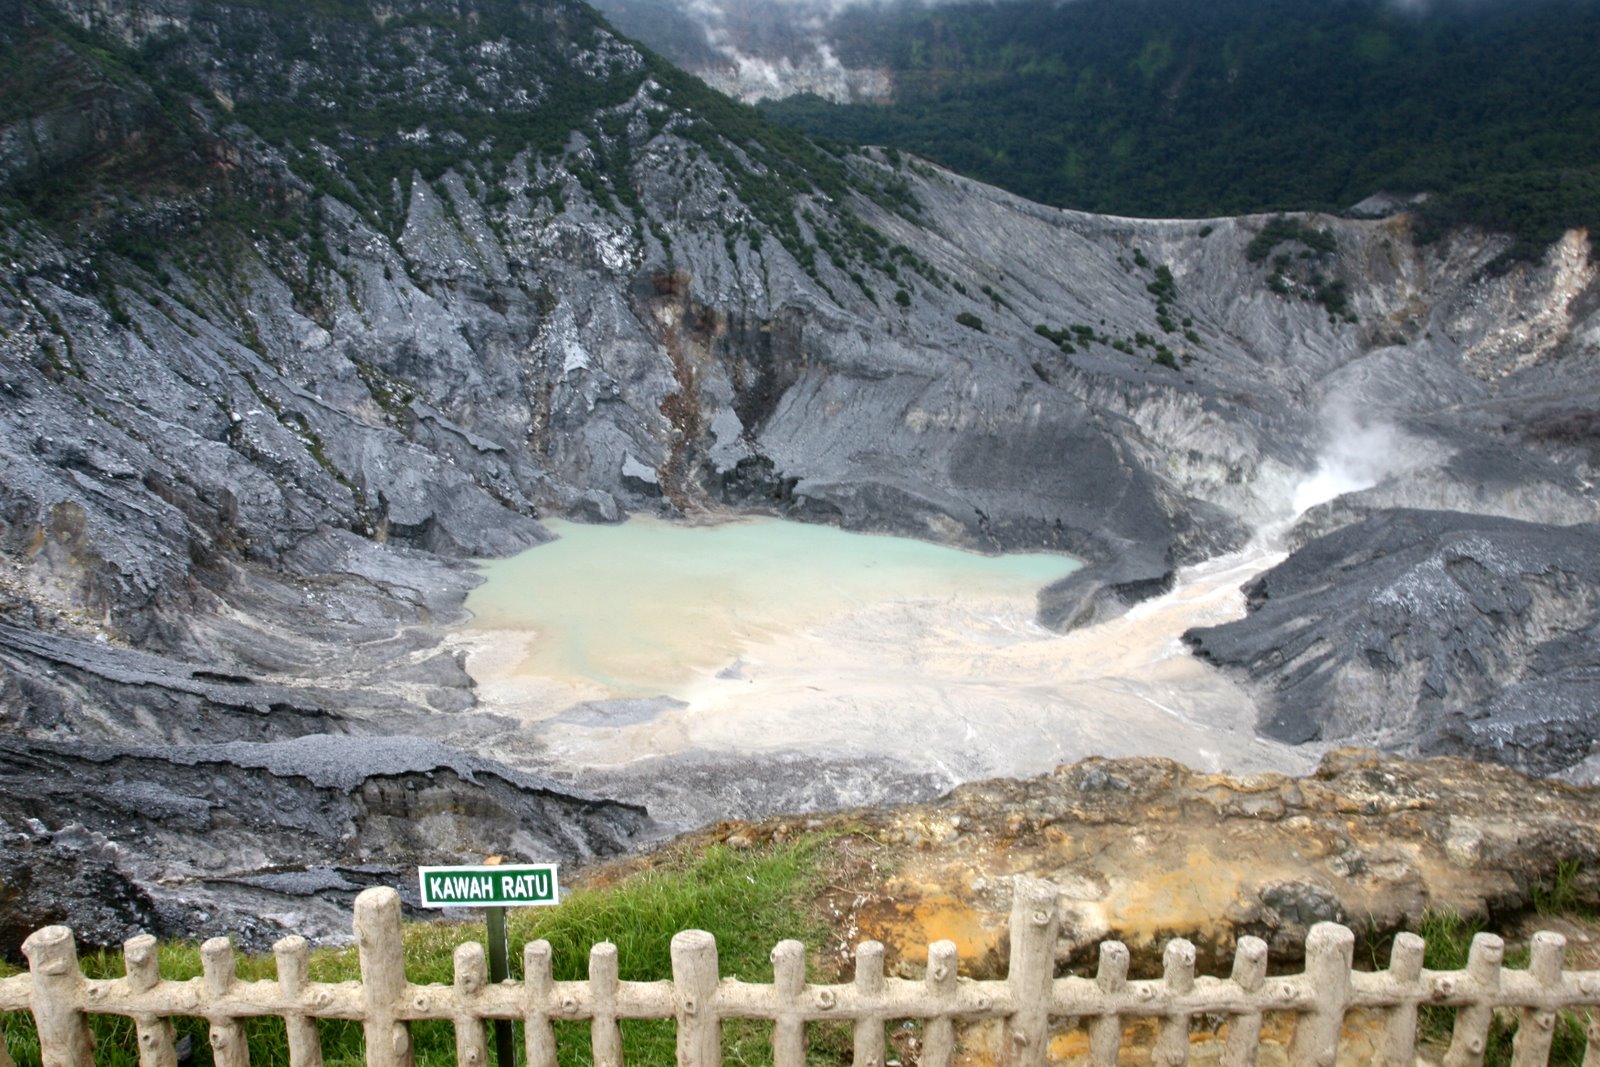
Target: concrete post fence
1029,1006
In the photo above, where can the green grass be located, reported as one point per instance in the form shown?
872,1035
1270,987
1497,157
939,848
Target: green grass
750,900
1448,936
1562,894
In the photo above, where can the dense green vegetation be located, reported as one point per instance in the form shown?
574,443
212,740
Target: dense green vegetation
750,900
1172,108
1447,936
357,106
366,104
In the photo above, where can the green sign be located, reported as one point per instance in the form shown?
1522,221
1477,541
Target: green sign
488,887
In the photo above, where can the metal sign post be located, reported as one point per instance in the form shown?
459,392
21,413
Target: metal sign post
499,971
493,887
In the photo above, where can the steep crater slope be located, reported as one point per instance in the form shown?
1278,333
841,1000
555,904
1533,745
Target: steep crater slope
1430,631
301,306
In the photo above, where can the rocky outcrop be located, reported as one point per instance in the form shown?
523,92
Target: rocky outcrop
1429,632
1145,850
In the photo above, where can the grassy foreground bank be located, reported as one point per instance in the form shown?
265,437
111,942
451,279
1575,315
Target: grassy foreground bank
750,900
1448,937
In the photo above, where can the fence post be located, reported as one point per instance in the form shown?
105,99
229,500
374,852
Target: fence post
538,984
1177,980
1330,950
694,984
1035,924
1400,1027
1105,1032
939,1034
1470,1036
381,952
228,1045
605,1038
294,973
141,963
869,1044
64,1039
1244,1029
471,974
1537,1026
788,989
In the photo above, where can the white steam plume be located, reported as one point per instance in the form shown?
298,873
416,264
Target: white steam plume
1358,454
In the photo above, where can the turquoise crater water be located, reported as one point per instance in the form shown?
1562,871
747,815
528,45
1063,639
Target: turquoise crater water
853,661
647,607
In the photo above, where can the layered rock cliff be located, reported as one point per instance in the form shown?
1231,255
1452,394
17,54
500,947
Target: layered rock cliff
252,840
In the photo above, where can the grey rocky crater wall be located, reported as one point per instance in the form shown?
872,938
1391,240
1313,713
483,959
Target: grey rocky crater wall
1435,631
234,479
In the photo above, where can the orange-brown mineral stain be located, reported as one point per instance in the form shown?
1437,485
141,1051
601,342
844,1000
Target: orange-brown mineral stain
983,1045
1195,894
908,925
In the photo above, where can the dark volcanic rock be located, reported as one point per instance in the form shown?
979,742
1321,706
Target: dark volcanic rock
1098,592
1429,631
71,876
262,839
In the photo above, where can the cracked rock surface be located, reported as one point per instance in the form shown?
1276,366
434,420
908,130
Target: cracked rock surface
259,840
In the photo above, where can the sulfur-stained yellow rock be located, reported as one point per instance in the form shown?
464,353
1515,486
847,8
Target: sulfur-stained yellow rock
1144,850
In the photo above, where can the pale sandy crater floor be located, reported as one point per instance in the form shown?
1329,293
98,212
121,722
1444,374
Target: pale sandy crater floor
949,680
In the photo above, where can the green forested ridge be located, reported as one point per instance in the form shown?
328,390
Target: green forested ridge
420,90
1141,107
1173,108
357,100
